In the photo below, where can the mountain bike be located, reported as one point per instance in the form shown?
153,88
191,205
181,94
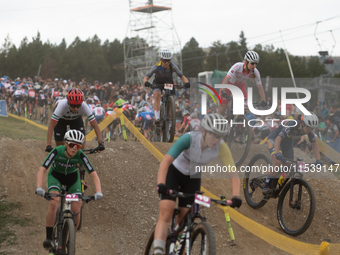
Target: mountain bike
64,232
296,204
11,107
44,117
151,134
239,136
33,116
83,183
18,108
166,130
193,237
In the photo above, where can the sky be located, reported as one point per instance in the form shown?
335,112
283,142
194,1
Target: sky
300,22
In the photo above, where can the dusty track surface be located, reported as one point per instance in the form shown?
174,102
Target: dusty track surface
120,223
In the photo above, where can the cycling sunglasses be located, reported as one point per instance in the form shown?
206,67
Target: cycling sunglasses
75,105
166,60
253,63
72,145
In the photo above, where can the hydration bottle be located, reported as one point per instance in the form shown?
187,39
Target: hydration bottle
282,177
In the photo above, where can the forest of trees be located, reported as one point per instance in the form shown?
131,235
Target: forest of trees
97,60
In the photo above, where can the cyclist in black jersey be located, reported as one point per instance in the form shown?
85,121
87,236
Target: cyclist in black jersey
280,144
64,171
163,74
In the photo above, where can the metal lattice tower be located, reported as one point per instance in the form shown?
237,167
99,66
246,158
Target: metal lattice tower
150,29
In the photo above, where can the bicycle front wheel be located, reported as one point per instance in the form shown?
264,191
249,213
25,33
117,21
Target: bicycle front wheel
239,141
170,122
253,181
69,237
203,239
296,207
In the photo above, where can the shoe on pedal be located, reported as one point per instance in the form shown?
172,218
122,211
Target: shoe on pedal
267,191
157,123
48,244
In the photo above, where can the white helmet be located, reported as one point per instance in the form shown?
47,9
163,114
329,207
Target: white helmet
252,56
186,112
216,128
98,105
165,54
193,115
310,120
74,136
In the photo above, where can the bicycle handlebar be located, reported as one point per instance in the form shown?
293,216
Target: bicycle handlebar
161,86
87,199
174,194
91,151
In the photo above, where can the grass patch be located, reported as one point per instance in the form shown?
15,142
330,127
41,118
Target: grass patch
7,220
18,129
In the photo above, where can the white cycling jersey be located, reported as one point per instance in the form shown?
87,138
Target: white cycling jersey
195,124
98,111
63,111
193,156
238,77
18,92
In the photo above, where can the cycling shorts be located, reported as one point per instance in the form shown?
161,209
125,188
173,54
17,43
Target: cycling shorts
72,181
225,101
61,128
42,102
99,118
31,100
16,98
175,180
147,124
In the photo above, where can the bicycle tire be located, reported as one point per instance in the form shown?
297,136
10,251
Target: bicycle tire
170,123
283,220
237,150
208,243
255,183
148,250
55,228
69,237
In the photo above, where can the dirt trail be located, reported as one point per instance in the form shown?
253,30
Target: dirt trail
120,223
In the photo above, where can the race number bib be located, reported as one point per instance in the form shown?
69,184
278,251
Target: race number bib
168,86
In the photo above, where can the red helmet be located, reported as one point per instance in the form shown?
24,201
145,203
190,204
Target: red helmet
75,96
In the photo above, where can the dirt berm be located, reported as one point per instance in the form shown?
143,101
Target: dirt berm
120,223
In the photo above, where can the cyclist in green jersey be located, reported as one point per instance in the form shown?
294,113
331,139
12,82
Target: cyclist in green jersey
176,172
64,171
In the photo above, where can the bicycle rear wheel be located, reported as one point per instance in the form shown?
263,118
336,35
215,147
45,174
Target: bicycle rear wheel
148,250
34,113
239,141
295,214
69,237
170,122
203,239
253,182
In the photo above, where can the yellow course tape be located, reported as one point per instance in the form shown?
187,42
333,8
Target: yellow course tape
29,121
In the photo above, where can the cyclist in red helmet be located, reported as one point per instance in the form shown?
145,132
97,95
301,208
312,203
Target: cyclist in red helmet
68,115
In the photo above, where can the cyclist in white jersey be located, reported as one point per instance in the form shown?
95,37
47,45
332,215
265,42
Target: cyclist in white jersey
238,74
194,122
69,113
99,113
177,171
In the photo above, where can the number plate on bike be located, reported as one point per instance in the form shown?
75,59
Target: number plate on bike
202,200
168,86
71,197
301,167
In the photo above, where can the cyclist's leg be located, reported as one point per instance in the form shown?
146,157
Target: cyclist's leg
157,104
76,206
166,210
54,186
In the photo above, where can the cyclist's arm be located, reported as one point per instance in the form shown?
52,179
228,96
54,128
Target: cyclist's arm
184,79
96,128
227,160
96,181
50,129
146,78
277,144
40,176
261,92
180,145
